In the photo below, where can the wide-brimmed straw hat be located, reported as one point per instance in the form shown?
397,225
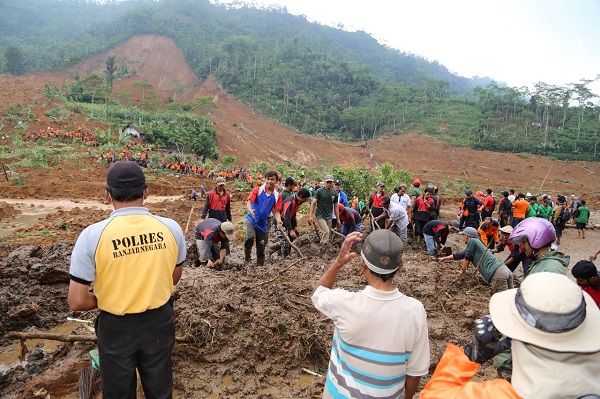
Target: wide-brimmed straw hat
549,311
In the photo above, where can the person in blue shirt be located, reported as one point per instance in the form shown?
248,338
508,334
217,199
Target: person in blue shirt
261,201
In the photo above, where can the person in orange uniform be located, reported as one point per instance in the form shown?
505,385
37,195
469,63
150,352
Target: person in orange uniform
488,232
521,207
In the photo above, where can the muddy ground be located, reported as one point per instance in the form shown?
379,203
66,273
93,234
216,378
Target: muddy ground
248,333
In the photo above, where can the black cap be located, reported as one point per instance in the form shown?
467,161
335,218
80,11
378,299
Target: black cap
337,181
304,193
125,174
290,181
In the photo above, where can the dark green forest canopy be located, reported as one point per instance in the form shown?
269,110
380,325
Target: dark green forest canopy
314,78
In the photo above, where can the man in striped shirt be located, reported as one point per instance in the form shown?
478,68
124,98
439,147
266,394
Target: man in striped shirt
380,344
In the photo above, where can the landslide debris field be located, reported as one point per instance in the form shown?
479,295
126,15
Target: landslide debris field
245,333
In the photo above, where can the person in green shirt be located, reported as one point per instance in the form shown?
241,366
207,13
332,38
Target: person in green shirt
323,204
361,206
288,189
545,209
582,215
493,270
534,208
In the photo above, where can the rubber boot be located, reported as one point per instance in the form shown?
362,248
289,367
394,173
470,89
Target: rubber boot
272,248
247,254
260,261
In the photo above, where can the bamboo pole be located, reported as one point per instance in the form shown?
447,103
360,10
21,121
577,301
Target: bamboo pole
188,221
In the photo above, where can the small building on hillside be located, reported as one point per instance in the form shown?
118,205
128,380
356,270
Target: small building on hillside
133,130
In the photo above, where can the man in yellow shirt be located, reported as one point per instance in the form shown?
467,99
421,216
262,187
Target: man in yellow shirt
133,258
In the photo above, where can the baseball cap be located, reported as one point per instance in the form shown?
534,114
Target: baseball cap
220,180
470,232
468,191
382,251
125,174
416,182
328,178
455,224
506,229
229,229
290,181
337,181
380,184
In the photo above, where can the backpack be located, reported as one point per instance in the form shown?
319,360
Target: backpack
566,214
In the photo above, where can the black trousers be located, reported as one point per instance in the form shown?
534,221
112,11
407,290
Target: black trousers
142,341
376,212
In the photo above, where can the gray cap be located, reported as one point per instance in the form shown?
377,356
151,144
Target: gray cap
470,232
455,224
328,178
229,229
382,251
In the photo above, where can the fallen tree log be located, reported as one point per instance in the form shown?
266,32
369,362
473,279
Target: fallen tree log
60,337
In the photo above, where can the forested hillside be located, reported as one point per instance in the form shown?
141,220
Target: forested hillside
313,78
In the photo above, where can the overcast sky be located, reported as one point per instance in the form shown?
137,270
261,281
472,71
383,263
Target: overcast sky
520,42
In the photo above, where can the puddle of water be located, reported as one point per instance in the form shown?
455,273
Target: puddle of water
9,355
18,222
273,386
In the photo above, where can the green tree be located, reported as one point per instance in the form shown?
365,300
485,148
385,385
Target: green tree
111,69
143,85
15,61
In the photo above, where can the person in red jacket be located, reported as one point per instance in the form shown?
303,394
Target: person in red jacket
377,211
424,207
290,224
553,327
350,219
489,204
587,278
218,203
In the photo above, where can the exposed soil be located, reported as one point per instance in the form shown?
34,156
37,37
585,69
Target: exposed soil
248,333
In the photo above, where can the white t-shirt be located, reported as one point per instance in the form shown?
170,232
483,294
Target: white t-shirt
379,338
405,200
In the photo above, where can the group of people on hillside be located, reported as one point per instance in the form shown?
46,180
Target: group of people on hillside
83,135
380,345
